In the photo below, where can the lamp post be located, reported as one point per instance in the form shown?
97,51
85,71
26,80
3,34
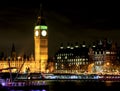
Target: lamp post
108,67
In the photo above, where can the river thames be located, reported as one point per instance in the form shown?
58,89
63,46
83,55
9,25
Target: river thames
84,85
66,83
77,85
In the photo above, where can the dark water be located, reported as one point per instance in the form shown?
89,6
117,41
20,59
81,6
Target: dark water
77,86
81,86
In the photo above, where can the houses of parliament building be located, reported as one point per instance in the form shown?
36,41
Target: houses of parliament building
36,63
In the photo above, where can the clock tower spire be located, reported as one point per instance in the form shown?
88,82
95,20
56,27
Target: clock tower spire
41,43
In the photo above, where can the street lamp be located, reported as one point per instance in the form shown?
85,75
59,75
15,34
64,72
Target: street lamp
107,63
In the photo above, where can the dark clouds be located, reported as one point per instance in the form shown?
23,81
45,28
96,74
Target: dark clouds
66,23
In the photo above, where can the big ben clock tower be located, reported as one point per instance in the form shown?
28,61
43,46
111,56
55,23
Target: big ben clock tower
41,44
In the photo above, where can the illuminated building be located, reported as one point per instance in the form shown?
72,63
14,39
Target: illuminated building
34,63
71,59
41,44
103,55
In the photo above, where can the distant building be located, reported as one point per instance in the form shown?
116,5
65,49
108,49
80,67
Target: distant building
101,57
71,59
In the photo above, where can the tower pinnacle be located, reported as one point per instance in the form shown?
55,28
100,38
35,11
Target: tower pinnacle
13,52
40,17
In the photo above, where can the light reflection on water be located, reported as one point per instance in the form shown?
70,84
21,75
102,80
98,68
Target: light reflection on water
61,86
30,90
108,83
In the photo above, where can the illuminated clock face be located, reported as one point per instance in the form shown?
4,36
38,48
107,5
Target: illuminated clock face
36,33
44,33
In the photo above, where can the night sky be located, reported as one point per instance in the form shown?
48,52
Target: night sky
67,22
